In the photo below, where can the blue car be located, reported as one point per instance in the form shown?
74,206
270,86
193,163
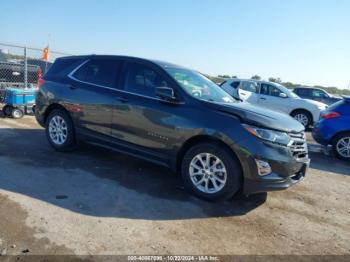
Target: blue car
333,128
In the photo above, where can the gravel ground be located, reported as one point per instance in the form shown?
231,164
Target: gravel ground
93,201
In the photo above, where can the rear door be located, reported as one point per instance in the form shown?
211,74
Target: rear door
248,91
89,97
304,93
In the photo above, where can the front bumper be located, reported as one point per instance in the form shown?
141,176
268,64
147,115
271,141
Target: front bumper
275,182
289,165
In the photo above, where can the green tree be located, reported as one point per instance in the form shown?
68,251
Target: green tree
256,77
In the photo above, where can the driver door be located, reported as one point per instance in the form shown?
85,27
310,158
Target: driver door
273,98
143,119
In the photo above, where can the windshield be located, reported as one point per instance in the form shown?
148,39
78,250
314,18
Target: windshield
287,91
199,86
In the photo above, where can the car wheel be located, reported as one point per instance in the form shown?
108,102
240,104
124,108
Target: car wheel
7,110
17,113
341,146
302,117
60,131
211,172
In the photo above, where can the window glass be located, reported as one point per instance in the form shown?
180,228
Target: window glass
249,86
270,90
141,79
99,72
318,93
303,92
63,66
235,84
198,86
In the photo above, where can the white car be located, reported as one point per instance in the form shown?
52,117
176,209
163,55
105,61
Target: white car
276,97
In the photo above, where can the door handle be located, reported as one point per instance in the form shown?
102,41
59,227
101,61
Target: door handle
71,87
262,98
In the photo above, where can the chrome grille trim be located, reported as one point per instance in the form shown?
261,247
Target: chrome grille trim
298,145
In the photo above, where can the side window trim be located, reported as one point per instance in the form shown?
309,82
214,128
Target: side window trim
120,82
70,75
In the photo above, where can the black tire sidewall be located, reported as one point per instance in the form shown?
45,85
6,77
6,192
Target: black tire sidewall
7,110
70,142
334,145
233,168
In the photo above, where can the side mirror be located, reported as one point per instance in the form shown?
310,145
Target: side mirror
166,93
283,95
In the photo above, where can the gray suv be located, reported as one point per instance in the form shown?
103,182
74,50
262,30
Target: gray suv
172,116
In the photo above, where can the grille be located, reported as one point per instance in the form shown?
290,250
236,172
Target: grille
298,145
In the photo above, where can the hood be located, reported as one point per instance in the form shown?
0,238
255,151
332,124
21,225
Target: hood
259,116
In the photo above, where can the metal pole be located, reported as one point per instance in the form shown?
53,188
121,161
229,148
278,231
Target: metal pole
25,68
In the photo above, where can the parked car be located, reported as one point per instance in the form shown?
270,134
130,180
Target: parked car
316,94
276,97
13,73
333,128
154,110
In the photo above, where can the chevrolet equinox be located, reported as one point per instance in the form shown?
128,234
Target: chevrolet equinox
172,116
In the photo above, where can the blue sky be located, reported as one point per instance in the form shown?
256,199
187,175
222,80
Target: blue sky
304,41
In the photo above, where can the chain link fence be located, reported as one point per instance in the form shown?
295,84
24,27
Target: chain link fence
21,66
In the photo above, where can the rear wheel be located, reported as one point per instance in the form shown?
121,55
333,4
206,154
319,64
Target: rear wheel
60,130
211,172
17,113
303,117
341,146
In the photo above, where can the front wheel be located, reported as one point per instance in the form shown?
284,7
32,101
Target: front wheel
60,131
341,146
211,172
7,110
303,117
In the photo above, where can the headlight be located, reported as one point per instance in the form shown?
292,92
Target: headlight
268,135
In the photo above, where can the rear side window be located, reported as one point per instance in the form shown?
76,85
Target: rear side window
141,79
99,72
62,67
302,92
249,86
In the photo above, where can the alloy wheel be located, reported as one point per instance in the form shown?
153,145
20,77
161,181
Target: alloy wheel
302,118
58,130
343,147
208,173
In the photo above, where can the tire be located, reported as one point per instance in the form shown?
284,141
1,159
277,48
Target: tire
60,131
301,115
224,190
7,110
17,113
341,146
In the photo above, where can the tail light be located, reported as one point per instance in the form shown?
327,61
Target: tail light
41,81
329,115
